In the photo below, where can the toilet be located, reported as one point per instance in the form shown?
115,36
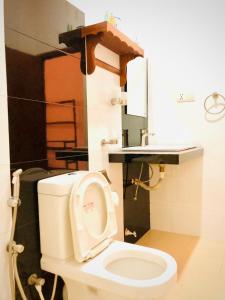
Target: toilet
77,224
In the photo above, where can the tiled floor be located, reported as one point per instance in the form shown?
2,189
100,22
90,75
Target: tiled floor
201,264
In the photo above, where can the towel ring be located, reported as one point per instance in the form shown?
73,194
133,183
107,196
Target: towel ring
217,105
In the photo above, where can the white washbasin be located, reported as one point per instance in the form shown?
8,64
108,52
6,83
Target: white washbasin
159,148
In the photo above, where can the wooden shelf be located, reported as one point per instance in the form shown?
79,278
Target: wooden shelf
106,35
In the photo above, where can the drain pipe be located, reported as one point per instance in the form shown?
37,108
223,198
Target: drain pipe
149,187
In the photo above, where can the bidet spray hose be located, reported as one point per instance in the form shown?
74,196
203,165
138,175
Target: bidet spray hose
54,287
14,204
10,250
38,287
14,258
16,183
15,249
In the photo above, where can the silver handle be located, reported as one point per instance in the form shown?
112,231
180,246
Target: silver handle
128,232
109,142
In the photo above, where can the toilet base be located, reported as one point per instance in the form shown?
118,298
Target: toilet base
78,291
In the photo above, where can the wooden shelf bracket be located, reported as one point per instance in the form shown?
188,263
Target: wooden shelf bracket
105,34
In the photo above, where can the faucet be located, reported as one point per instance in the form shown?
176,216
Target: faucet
143,137
128,232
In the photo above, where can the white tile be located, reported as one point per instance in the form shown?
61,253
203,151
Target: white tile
160,217
102,86
211,249
214,198
4,132
104,120
177,190
107,56
115,173
213,224
100,127
180,193
185,219
5,210
4,275
159,196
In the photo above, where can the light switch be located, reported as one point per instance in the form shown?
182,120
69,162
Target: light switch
185,97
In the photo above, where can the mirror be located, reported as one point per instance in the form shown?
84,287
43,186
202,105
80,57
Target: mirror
47,114
135,114
137,87
46,88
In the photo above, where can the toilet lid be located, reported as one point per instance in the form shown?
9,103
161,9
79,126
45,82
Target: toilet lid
92,215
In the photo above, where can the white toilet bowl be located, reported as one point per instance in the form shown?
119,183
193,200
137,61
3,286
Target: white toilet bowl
76,243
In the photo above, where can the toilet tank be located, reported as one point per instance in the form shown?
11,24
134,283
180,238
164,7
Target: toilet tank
54,218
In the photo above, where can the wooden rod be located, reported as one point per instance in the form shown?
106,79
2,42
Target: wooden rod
107,67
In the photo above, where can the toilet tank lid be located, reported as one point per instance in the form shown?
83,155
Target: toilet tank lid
60,185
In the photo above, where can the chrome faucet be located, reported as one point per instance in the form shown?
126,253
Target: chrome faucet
143,137
129,232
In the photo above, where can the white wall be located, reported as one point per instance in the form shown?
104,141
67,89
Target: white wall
185,43
191,61
104,122
5,211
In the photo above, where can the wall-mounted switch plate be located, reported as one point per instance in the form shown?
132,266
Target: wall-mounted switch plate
185,97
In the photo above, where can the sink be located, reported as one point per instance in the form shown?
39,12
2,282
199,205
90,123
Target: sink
159,148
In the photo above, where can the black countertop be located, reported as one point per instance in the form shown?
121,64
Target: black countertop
172,158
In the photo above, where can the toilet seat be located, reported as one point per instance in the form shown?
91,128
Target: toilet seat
92,215
95,273
133,287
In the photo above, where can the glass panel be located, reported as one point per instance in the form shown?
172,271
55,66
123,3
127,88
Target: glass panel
137,87
46,95
42,20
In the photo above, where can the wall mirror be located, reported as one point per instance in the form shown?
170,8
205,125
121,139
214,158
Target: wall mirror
137,87
135,114
46,88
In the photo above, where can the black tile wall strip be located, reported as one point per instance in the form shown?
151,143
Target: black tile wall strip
136,212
